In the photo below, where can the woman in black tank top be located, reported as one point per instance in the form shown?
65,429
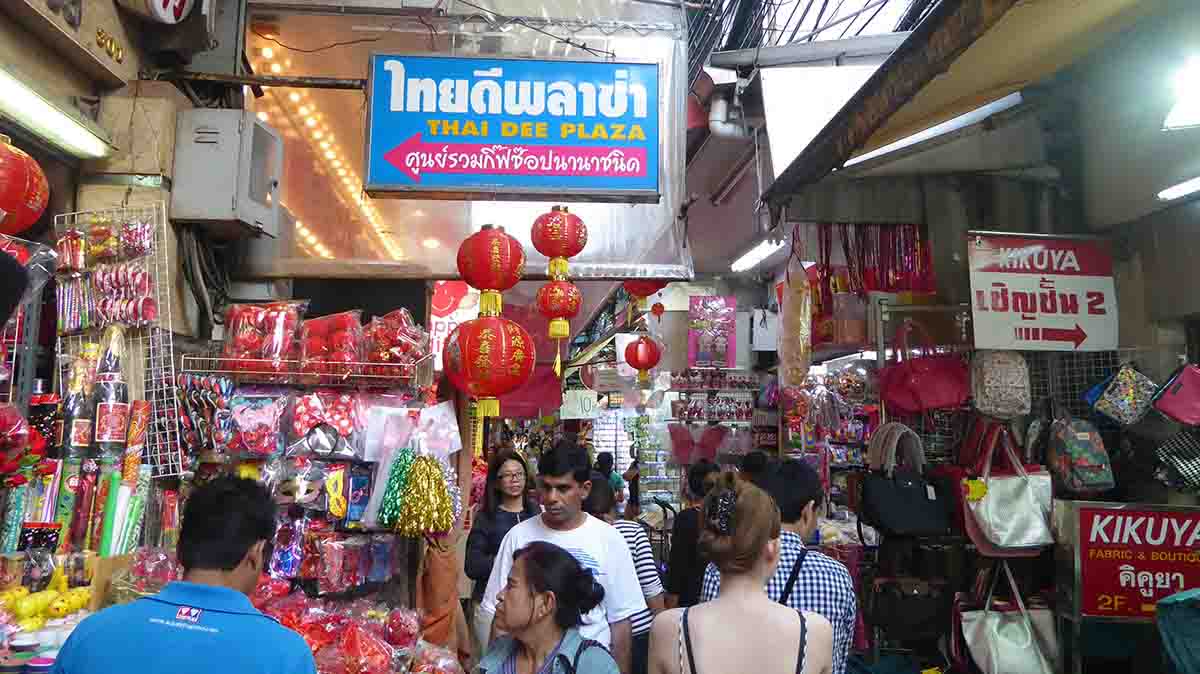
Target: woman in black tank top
742,630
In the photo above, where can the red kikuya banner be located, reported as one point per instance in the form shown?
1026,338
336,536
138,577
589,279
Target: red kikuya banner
1130,559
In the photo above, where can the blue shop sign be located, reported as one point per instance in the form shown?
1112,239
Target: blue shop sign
496,128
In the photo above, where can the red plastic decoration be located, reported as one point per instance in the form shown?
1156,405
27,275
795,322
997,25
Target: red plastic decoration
658,309
493,262
488,357
643,355
639,290
559,235
24,191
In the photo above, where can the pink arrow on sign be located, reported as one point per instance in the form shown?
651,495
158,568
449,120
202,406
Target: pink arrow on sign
1076,335
414,157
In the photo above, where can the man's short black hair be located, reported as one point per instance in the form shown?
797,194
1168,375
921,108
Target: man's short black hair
793,484
604,463
566,459
222,521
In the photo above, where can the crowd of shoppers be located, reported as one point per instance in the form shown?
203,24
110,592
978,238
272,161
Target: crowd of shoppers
576,588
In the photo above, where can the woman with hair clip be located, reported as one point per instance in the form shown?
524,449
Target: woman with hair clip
506,503
741,630
540,609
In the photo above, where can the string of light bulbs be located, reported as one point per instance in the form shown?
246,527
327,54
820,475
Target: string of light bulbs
311,126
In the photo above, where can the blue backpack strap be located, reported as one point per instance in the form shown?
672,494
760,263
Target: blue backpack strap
572,666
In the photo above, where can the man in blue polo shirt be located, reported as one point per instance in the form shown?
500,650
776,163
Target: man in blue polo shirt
206,623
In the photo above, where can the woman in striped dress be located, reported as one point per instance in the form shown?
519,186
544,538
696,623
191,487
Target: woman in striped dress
601,503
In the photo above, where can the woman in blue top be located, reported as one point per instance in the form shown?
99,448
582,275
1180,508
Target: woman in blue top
540,610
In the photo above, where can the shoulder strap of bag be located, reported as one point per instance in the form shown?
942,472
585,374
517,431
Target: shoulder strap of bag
795,574
572,666
875,449
687,642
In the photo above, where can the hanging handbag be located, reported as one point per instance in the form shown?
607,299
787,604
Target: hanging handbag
1006,642
924,383
1010,512
1128,397
899,501
908,608
1181,455
1179,399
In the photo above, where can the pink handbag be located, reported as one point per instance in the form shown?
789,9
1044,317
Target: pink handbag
926,382
1179,399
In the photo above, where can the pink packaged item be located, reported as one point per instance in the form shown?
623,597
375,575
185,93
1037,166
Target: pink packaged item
712,333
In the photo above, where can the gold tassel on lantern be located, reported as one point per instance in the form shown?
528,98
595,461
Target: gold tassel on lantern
488,407
558,268
560,329
491,303
476,430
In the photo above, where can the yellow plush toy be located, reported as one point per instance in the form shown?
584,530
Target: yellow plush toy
60,608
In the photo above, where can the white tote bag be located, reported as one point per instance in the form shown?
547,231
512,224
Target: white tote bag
1011,642
1014,511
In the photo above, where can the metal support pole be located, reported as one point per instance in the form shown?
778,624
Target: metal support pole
267,80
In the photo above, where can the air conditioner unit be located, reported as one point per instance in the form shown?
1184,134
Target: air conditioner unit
228,167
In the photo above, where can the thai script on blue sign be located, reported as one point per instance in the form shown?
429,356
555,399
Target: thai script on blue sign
583,129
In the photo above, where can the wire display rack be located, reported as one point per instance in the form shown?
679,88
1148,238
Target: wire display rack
19,346
150,367
312,373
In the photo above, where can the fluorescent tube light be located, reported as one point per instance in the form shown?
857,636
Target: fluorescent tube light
962,121
755,256
1186,111
49,122
1181,190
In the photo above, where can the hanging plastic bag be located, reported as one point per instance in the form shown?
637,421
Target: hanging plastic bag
795,345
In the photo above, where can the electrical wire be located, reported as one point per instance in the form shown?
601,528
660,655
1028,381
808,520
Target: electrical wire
564,40
331,45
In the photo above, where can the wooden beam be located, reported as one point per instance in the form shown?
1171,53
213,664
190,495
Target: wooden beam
946,33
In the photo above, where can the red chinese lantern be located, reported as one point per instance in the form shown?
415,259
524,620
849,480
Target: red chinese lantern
559,301
559,235
24,191
493,262
639,290
643,354
488,357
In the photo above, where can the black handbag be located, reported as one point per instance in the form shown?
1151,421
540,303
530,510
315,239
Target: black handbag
907,609
898,501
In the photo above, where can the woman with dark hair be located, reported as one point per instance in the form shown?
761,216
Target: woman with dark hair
685,568
742,630
506,503
601,504
540,609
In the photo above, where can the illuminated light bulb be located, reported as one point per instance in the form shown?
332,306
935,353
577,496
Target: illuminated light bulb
310,122
317,135
267,52
288,63
310,238
303,110
431,243
263,115
342,172
330,154
337,164
324,145
418,213
294,97
276,68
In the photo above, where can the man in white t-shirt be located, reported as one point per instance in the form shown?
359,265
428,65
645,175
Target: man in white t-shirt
564,478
